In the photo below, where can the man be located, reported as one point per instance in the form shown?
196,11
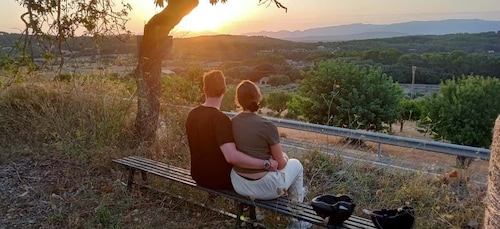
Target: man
210,139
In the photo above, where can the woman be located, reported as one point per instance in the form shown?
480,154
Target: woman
259,137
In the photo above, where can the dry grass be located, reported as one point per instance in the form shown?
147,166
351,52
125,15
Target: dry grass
440,202
88,114
57,140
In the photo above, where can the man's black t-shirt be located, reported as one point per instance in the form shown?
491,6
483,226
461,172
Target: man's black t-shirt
208,128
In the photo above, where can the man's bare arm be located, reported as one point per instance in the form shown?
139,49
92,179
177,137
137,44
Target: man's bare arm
240,159
279,156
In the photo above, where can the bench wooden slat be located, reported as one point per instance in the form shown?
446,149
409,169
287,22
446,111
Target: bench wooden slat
281,205
165,171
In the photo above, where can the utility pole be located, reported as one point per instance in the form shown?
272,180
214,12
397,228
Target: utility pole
413,69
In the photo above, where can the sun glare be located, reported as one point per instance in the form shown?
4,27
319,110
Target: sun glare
207,17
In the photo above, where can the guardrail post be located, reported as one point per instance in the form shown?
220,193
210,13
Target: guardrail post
379,150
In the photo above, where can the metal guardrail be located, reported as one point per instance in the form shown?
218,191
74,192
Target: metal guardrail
434,146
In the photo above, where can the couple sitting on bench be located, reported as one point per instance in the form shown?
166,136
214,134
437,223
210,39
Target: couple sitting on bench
244,154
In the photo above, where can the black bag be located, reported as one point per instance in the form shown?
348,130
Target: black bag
400,218
338,208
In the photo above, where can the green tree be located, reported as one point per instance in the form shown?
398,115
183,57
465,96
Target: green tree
262,70
299,105
49,24
239,73
464,112
277,101
409,110
345,95
277,80
228,103
179,90
390,56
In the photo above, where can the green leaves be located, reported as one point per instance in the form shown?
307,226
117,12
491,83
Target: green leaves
48,24
465,110
345,95
277,100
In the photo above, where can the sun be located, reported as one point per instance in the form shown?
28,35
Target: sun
206,17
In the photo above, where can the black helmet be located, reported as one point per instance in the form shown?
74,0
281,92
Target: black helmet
400,218
338,208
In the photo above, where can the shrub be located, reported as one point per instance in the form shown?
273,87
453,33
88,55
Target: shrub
277,80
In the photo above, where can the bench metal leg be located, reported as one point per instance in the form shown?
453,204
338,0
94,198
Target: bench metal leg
130,180
144,176
239,213
253,214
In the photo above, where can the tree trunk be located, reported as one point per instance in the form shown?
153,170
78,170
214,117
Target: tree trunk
153,47
492,212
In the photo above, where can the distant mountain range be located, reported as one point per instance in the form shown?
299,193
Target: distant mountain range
370,31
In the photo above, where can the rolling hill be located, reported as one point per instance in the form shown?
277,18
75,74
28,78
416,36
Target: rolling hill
369,31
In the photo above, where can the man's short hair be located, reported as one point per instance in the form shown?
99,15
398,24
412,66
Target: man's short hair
214,83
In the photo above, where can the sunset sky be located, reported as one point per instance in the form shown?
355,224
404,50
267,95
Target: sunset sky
242,16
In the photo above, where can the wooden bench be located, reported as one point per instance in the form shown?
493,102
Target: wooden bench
301,211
